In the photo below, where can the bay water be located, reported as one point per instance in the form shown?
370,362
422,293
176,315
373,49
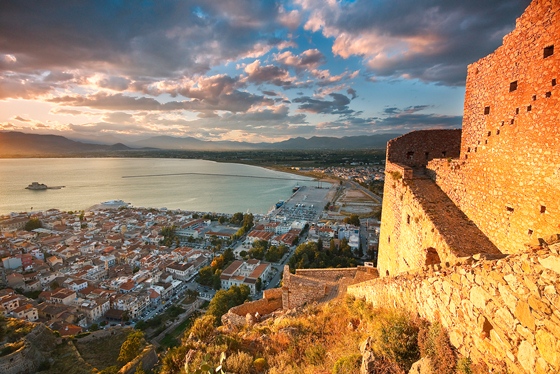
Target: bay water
194,185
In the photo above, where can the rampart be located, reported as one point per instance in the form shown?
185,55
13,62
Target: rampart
271,301
507,179
308,285
30,356
505,310
498,180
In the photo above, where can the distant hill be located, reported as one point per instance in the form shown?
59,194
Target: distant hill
17,144
13,144
316,142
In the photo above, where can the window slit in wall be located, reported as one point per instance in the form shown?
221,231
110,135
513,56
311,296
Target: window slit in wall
487,110
543,209
408,219
554,82
443,153
548,51
513,86
497,132
509,209
409,155
548,94
534,97
503,122
529,108
468,149
529,232
516,110
427,154
489,133
512,121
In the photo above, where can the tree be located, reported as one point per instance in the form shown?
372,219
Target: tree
132,346
32,224
354,219
258,285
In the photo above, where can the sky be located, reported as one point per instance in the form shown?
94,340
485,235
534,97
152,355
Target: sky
243,70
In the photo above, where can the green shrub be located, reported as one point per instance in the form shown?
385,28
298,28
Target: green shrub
395,337
239,363
434,343
348,364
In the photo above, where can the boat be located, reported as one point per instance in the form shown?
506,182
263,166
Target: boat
279,204
296,188
35,186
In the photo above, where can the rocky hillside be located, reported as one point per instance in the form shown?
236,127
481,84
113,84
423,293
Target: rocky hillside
344,335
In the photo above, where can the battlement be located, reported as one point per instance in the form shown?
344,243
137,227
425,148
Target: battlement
498,180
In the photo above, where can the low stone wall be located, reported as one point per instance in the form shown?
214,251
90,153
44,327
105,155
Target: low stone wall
327,275
28,358
507,309
147,359
271,301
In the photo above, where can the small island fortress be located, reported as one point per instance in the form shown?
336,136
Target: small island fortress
471,218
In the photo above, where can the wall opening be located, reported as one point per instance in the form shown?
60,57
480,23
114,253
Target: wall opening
468,149
408,219
529,232
443,153
529,108
387,272
497,132
503,122
548,94
409,155
543,209
427,154
489,133
388,239
509,209
513,86
516,110
553,82
487,110
512,121
476,148
548,51
534,97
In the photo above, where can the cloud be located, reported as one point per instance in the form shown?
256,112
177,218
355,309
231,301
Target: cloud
430,40
21,119
307,60
268,74
339,104
235,101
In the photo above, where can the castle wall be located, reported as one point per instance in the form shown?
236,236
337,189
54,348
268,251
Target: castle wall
507,179
421,225
501,311
417,148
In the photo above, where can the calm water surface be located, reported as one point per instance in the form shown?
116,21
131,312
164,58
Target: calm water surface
90,181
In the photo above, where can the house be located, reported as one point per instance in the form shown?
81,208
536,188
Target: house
62,296
247,273
26,312
181,271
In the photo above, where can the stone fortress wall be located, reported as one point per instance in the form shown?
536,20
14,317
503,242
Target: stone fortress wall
469,230
504,311
503,175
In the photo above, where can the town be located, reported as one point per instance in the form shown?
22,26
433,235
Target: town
116,265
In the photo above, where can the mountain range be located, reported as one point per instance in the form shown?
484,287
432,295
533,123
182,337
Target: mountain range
14,144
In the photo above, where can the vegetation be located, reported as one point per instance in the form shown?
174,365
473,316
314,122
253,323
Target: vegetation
311,255
261,251
169,236
132,346
32,224
354,219
210,275
319,339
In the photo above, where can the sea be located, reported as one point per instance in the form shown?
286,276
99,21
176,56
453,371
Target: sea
192,185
